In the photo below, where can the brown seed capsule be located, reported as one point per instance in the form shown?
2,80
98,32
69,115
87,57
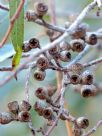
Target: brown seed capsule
77,45
34,43
24,116
80,31
55,50
77,132
91,39
77,67
40,8
39,75
39,106
88,90
13,107
26,47
25,106
87,77
42,62
41,93
5,118
65,56
48,113
82,122
74,78
64,46
31,15
50,32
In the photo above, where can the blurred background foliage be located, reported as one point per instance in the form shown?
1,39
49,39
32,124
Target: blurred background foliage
14,90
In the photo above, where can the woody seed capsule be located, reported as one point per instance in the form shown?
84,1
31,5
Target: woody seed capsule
5,118
77,45
41,8
26,47
64,46
39,75
31,15
88,90
80,31
48,113
34,43
25,106
41,93
24,116
39,106
13,107
87,77
91,39
74,78
42,62
82,122
77,132
65,56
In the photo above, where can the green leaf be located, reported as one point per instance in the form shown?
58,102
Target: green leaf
17,34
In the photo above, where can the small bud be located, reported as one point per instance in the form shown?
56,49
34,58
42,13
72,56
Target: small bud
77,45
91,39
42,62
26,47
54,50
82,122
88,90
24,116
5,118
39,75
31,15
87,77
40,8
41,93
13,107
39,106
34,43
25,106
48,113
80,31
74,78
65,56
64,46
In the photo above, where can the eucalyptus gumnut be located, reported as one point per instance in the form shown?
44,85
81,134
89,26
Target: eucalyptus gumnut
42,62
34,43
77,45
39,75
91,38
82,122
24,116
25,106
13,107
40,8
88,90
6,118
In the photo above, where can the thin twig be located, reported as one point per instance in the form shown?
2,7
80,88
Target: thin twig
91,131
94,62
3,7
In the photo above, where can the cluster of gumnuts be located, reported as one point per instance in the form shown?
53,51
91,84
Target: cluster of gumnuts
16,112
51,59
